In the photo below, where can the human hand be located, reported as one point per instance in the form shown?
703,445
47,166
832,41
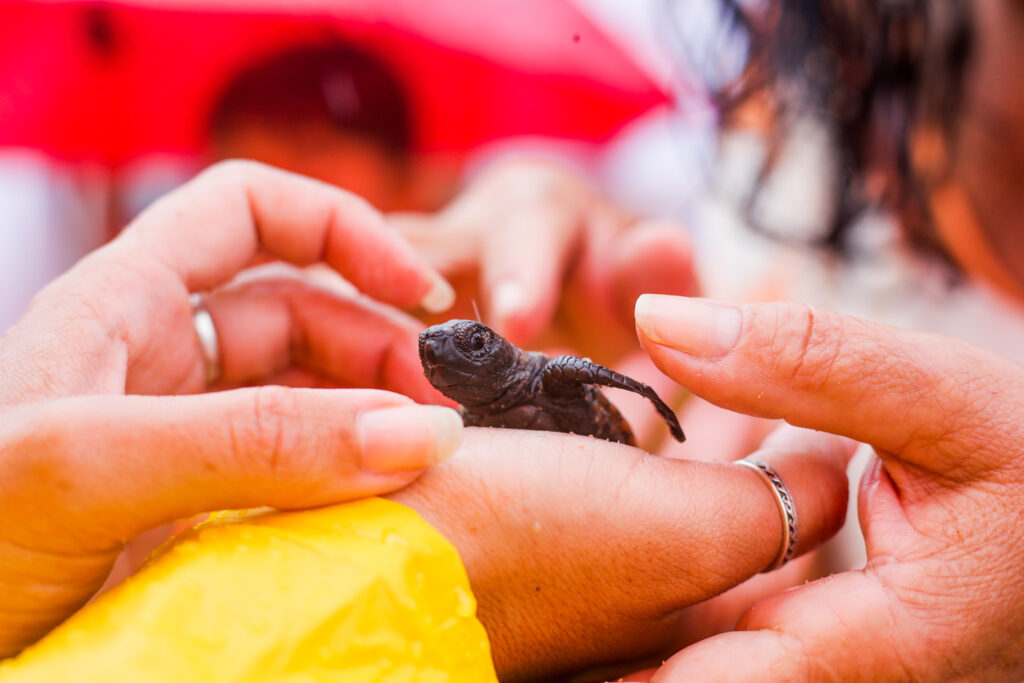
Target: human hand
550,263
84,468
940,508
584,552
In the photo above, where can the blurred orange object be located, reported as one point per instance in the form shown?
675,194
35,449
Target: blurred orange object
111,81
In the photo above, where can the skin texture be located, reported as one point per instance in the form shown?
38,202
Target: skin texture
84,466
499,385
583,552
940,597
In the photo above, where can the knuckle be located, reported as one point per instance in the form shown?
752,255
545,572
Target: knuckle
976,429
536,183
266,437
811,665
807,344
232,171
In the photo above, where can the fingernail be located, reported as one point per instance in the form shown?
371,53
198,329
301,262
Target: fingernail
509,299
407,437
440,297
695,326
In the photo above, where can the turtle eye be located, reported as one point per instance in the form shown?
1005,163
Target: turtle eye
477,341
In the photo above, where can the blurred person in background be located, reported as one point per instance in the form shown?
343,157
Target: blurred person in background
125,96
328,110
331,112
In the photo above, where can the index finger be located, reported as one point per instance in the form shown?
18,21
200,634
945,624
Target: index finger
211,228
936,402
530,221
524,261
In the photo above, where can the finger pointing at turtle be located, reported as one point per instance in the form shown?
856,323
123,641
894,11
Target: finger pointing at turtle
835,373
258,208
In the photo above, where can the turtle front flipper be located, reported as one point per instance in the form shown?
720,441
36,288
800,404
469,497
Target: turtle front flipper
565,376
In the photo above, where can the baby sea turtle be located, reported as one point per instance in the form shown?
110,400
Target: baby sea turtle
500,385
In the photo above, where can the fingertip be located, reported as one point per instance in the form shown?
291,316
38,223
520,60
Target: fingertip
447,428
732,656
508,299
698,327
515,312
508,302
407,437
440,296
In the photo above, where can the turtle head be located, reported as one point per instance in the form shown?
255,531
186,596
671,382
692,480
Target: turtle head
466,360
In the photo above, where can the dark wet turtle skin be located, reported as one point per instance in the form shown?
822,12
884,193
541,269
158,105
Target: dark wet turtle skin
499,385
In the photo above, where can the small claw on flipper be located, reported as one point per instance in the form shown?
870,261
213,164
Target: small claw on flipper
670,417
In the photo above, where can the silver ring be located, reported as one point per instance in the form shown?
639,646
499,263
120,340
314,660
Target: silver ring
786,508
206,333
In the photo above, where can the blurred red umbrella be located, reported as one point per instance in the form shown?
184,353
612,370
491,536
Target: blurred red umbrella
112,81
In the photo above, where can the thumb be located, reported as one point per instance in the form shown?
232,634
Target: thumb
123,464
841,375
837,628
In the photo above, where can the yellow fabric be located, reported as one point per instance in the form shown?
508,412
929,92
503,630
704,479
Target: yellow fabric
365,591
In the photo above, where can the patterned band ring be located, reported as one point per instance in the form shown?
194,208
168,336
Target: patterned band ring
786,508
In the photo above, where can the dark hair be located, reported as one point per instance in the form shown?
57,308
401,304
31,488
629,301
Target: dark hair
869,70
337,84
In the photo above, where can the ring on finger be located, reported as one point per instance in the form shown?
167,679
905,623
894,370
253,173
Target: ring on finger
786,509
206,333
